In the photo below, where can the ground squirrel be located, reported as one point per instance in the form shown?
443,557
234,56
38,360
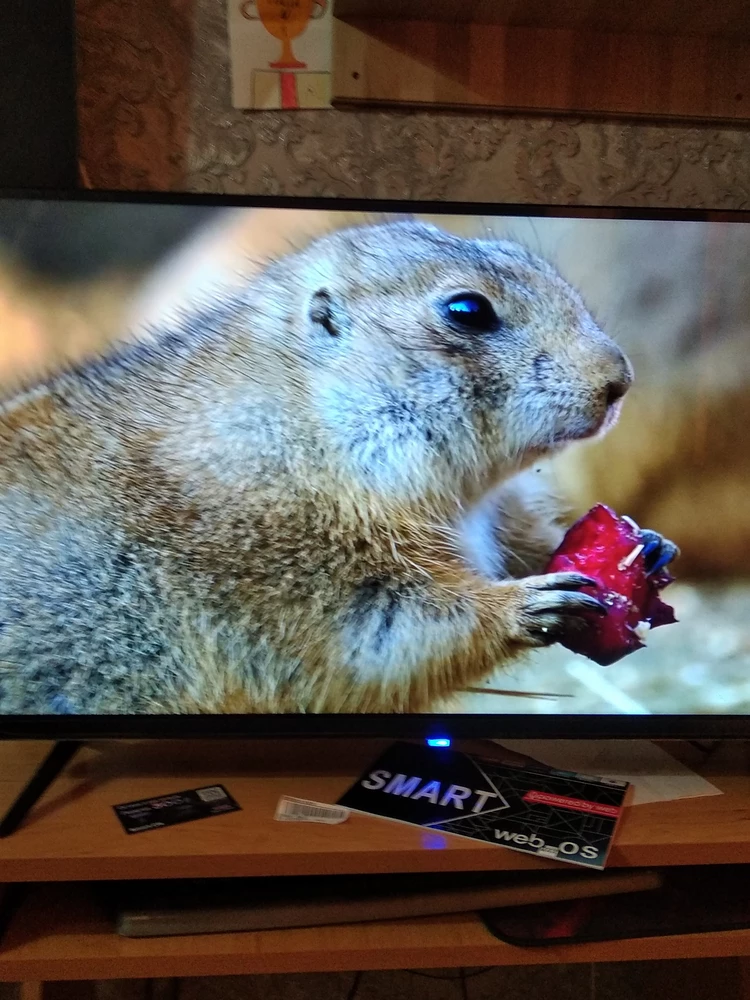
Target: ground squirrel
312,493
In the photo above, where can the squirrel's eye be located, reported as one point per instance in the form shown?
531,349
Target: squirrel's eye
470,311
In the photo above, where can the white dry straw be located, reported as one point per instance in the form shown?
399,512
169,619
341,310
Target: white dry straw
630,558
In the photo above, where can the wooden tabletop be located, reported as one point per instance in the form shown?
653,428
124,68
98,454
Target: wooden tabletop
73,833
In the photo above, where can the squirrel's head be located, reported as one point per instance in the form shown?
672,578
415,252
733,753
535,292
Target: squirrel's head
431,363
435,361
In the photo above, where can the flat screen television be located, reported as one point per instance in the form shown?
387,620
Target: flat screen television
288,467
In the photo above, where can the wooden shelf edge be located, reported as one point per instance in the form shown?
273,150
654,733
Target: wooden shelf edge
103,869
634,117
463,855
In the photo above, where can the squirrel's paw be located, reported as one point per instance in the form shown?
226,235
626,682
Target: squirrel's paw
548,606
658,551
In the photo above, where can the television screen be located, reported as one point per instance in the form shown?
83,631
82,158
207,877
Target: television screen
357,468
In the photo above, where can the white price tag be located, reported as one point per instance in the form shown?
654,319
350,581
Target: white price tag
294,810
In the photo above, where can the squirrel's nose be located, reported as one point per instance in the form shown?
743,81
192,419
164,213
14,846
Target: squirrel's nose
614,391
620,379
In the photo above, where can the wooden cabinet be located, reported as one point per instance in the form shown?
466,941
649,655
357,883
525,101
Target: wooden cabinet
72,839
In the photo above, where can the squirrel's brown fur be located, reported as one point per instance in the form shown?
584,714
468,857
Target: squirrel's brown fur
306,495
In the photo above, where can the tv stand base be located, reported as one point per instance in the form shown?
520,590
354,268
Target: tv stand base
60,755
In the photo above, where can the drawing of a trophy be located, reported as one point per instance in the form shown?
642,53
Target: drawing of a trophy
285,20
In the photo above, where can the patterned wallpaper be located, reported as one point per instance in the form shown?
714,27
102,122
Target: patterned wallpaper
155,114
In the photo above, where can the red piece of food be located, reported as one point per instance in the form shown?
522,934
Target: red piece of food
601,545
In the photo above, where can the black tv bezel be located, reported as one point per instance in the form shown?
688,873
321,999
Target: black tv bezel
464,726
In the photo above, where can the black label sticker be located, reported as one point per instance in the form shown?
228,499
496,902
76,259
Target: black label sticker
179,807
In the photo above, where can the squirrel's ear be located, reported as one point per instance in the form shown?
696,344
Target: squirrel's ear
327,315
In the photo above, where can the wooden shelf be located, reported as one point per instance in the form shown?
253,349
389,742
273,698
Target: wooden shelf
73,833
659,61
61,932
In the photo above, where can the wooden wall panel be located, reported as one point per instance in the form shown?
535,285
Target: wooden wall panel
417,63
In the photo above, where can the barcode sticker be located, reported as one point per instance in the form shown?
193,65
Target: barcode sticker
211,794
548,851
303,811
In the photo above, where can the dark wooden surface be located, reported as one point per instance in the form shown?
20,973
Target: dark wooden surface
704,17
